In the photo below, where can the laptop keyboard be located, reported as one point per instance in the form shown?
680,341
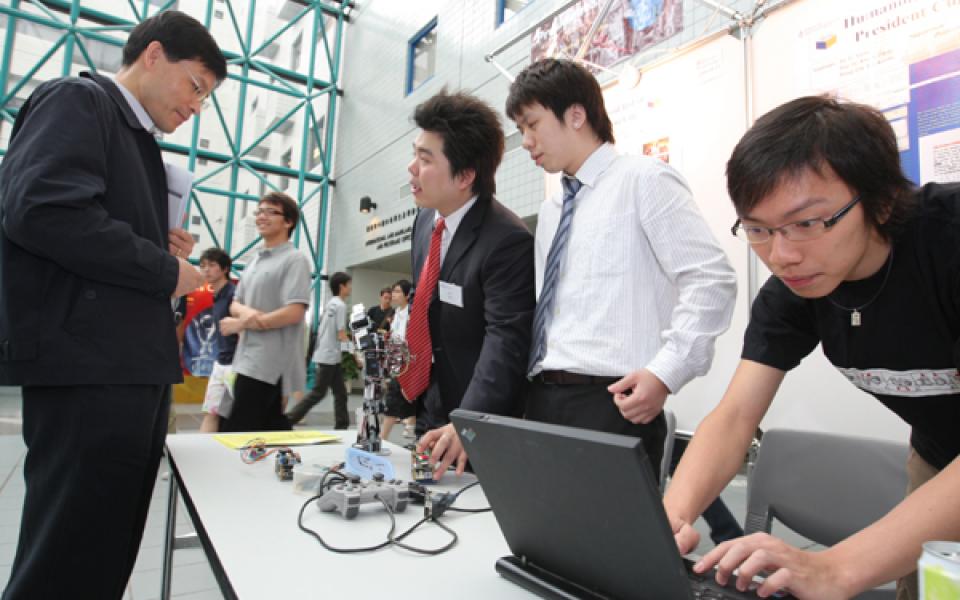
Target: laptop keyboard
705,592
705,587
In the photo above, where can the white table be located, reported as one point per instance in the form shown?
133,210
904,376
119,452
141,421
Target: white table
246,519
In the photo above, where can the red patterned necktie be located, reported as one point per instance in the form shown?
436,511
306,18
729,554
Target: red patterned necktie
417,377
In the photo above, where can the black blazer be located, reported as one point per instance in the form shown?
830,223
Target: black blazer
481,350
85,275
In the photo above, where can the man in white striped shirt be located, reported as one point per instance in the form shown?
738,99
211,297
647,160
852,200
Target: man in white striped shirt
633,288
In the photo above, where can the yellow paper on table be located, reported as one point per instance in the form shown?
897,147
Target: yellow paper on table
235,441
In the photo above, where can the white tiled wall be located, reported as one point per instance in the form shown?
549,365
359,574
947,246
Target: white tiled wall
375,131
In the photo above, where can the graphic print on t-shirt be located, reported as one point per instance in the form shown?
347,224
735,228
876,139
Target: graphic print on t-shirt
913,383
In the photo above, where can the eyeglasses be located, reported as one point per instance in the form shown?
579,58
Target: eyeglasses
198,89
800,231
270,212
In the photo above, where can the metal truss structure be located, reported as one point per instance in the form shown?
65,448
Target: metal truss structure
303,95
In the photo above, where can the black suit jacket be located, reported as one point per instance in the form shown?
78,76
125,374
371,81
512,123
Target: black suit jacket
480,350
85,275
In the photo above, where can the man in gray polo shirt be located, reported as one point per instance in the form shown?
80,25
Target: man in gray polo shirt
332,331
268,308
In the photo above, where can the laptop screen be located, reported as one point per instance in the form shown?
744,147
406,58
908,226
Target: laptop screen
577,503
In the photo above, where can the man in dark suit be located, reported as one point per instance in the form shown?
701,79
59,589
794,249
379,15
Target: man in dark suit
470,322
89,263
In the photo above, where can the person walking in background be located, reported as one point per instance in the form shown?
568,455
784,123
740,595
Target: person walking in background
215,265
331,333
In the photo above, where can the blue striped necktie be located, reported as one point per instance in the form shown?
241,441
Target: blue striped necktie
551,274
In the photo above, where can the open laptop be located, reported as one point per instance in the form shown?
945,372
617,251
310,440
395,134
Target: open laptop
581,512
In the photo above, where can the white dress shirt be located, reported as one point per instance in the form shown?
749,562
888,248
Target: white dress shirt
398,327
643,282
137,108
451,223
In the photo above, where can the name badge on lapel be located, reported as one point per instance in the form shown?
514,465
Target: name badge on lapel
451,293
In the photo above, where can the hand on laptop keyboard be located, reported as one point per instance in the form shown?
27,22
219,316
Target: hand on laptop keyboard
806,574
705,587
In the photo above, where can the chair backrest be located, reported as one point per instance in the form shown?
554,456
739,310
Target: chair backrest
667,448
824,487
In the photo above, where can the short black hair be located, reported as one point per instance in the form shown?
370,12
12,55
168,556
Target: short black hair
338,280
472,136
558,84
182,38
386,290
404,285
216,255
291,212
854,140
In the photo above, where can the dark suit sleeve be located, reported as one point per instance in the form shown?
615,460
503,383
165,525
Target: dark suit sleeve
54,177
509,299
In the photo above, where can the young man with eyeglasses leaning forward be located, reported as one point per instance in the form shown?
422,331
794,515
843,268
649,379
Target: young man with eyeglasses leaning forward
869,267
268,308
88,266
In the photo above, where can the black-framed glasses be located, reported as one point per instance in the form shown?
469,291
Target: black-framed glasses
202,94
270,212
799,231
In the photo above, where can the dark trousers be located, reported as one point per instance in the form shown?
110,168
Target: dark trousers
430,410
257,406
90,469
723,525
397,405
326,377
591,406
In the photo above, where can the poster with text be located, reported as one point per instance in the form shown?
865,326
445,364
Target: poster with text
902,57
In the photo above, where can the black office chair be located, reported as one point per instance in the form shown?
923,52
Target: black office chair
825,487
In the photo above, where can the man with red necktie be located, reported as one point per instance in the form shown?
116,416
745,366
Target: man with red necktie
470,321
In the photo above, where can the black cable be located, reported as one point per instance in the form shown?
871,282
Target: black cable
393,527
467,510
428,552
391,539
443,504
467,487
339,477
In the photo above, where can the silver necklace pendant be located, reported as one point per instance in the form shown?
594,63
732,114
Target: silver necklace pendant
855,318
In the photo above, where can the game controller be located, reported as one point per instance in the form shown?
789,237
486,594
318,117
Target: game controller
347,497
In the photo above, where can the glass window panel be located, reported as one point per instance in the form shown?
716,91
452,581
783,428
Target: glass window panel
424,58
508,8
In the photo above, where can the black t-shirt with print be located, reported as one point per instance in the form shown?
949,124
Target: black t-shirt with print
907,350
